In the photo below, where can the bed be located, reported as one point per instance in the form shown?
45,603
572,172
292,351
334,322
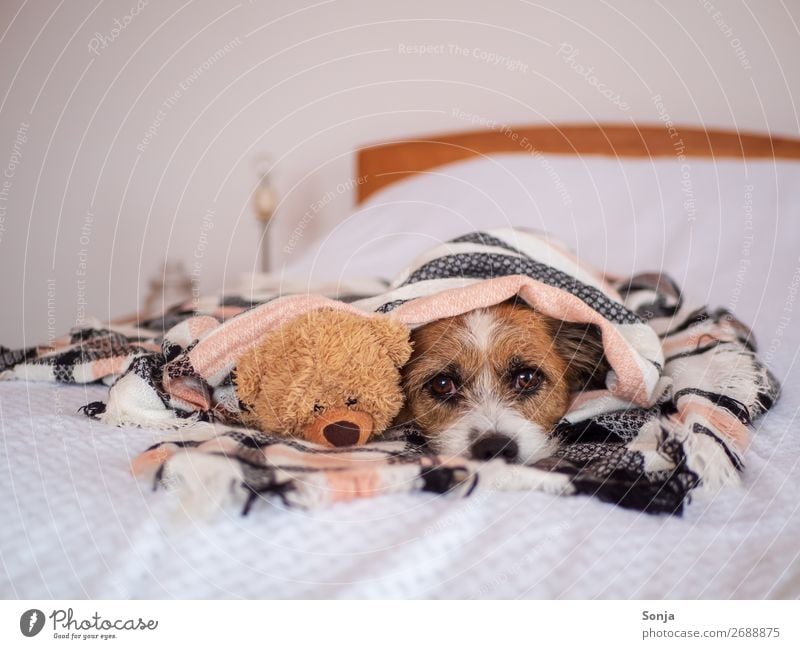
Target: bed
719,212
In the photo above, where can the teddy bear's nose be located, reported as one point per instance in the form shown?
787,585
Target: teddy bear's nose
342,433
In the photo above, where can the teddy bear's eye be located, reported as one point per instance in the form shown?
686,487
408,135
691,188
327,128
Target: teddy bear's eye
318,408
351,401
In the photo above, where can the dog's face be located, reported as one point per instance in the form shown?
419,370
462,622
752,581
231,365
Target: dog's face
494,382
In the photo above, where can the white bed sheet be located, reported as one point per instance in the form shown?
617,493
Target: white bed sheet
76,524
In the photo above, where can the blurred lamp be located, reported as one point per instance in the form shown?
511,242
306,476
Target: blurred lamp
265,200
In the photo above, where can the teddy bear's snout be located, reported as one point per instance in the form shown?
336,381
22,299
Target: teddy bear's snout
341,427
342,433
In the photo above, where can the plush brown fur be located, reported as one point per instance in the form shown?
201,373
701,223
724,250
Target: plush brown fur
329,376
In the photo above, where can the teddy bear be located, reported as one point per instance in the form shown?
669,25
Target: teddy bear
329,376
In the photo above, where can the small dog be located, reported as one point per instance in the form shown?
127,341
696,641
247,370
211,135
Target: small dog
494,382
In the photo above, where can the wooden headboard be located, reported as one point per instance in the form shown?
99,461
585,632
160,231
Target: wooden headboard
382,164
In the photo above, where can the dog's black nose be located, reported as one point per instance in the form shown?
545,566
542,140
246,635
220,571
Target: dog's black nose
493,445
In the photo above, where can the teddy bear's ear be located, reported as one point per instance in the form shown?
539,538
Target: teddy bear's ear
394,337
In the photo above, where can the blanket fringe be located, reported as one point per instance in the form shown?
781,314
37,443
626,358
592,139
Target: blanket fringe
172,423
707,458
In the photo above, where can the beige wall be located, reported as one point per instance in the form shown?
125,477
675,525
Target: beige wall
121,147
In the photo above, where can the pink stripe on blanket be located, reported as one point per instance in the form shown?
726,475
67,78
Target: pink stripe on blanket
187,394
218,351
104,367
587,396
200,325
149,461
280,455
226,312
719,418
631,382
692,340
349,485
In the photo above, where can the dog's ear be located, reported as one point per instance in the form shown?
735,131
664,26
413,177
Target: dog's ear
581,346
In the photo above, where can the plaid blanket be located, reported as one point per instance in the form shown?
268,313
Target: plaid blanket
673,418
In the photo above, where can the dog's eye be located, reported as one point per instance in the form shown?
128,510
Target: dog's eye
526,380
351,401
443,386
